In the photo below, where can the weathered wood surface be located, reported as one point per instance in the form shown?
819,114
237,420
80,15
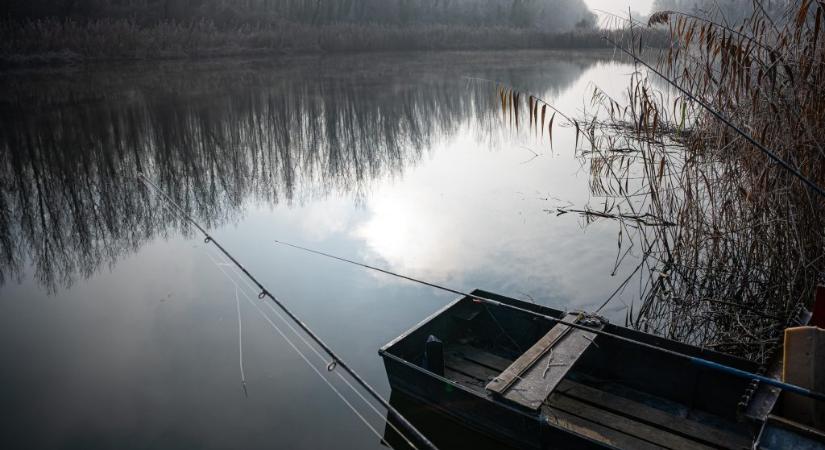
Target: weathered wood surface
471,366
479,356
595,431
624,424
534,375
463,379
645,413
471,369
509,376
804,365
539,381
598,414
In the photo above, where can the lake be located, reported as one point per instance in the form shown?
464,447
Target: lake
119,325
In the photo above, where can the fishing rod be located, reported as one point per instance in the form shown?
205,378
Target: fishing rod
769,153
336,360
485,300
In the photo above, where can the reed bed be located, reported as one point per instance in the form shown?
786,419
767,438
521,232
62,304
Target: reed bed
728,246
744,249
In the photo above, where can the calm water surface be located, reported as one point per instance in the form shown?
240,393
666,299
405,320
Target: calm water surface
119,330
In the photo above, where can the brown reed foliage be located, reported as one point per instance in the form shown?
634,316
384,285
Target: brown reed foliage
728,246
748,245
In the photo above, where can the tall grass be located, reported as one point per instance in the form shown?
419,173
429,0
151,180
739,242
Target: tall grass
747,243
729,245
55,40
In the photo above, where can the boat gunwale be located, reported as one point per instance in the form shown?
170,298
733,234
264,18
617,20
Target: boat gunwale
404,335
461,421
386,352
641,336
480,395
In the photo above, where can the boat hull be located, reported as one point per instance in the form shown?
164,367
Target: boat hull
617,395
485,415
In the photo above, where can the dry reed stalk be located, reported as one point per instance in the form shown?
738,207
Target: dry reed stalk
737,245
747,250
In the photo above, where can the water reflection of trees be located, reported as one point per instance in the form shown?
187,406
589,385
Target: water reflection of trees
215,137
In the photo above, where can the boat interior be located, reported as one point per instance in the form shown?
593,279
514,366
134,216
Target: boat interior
609,391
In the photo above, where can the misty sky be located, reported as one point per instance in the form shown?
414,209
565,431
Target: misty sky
620,6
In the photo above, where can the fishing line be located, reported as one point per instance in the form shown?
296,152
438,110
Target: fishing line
403,422
479,299
298,351
240,329
240,342
168,208
380,415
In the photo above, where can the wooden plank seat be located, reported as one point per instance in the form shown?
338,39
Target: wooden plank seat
530,379
612,418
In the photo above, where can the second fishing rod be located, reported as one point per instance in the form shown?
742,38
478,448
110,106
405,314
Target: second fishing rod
265,293
702,362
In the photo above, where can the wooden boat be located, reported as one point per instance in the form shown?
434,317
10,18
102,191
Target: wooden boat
443,432
532,383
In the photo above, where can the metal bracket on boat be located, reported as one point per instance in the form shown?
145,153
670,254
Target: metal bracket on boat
592,320
759,399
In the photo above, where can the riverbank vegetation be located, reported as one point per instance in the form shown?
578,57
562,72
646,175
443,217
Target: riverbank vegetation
33,32
727,244
748,245
66,41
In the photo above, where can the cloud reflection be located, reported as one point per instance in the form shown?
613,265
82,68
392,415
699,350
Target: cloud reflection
218,139
475,214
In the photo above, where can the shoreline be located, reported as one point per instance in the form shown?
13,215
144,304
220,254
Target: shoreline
55,43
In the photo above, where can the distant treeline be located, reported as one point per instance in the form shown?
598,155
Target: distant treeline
59,41
548,15
727,11
34,32
59,31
